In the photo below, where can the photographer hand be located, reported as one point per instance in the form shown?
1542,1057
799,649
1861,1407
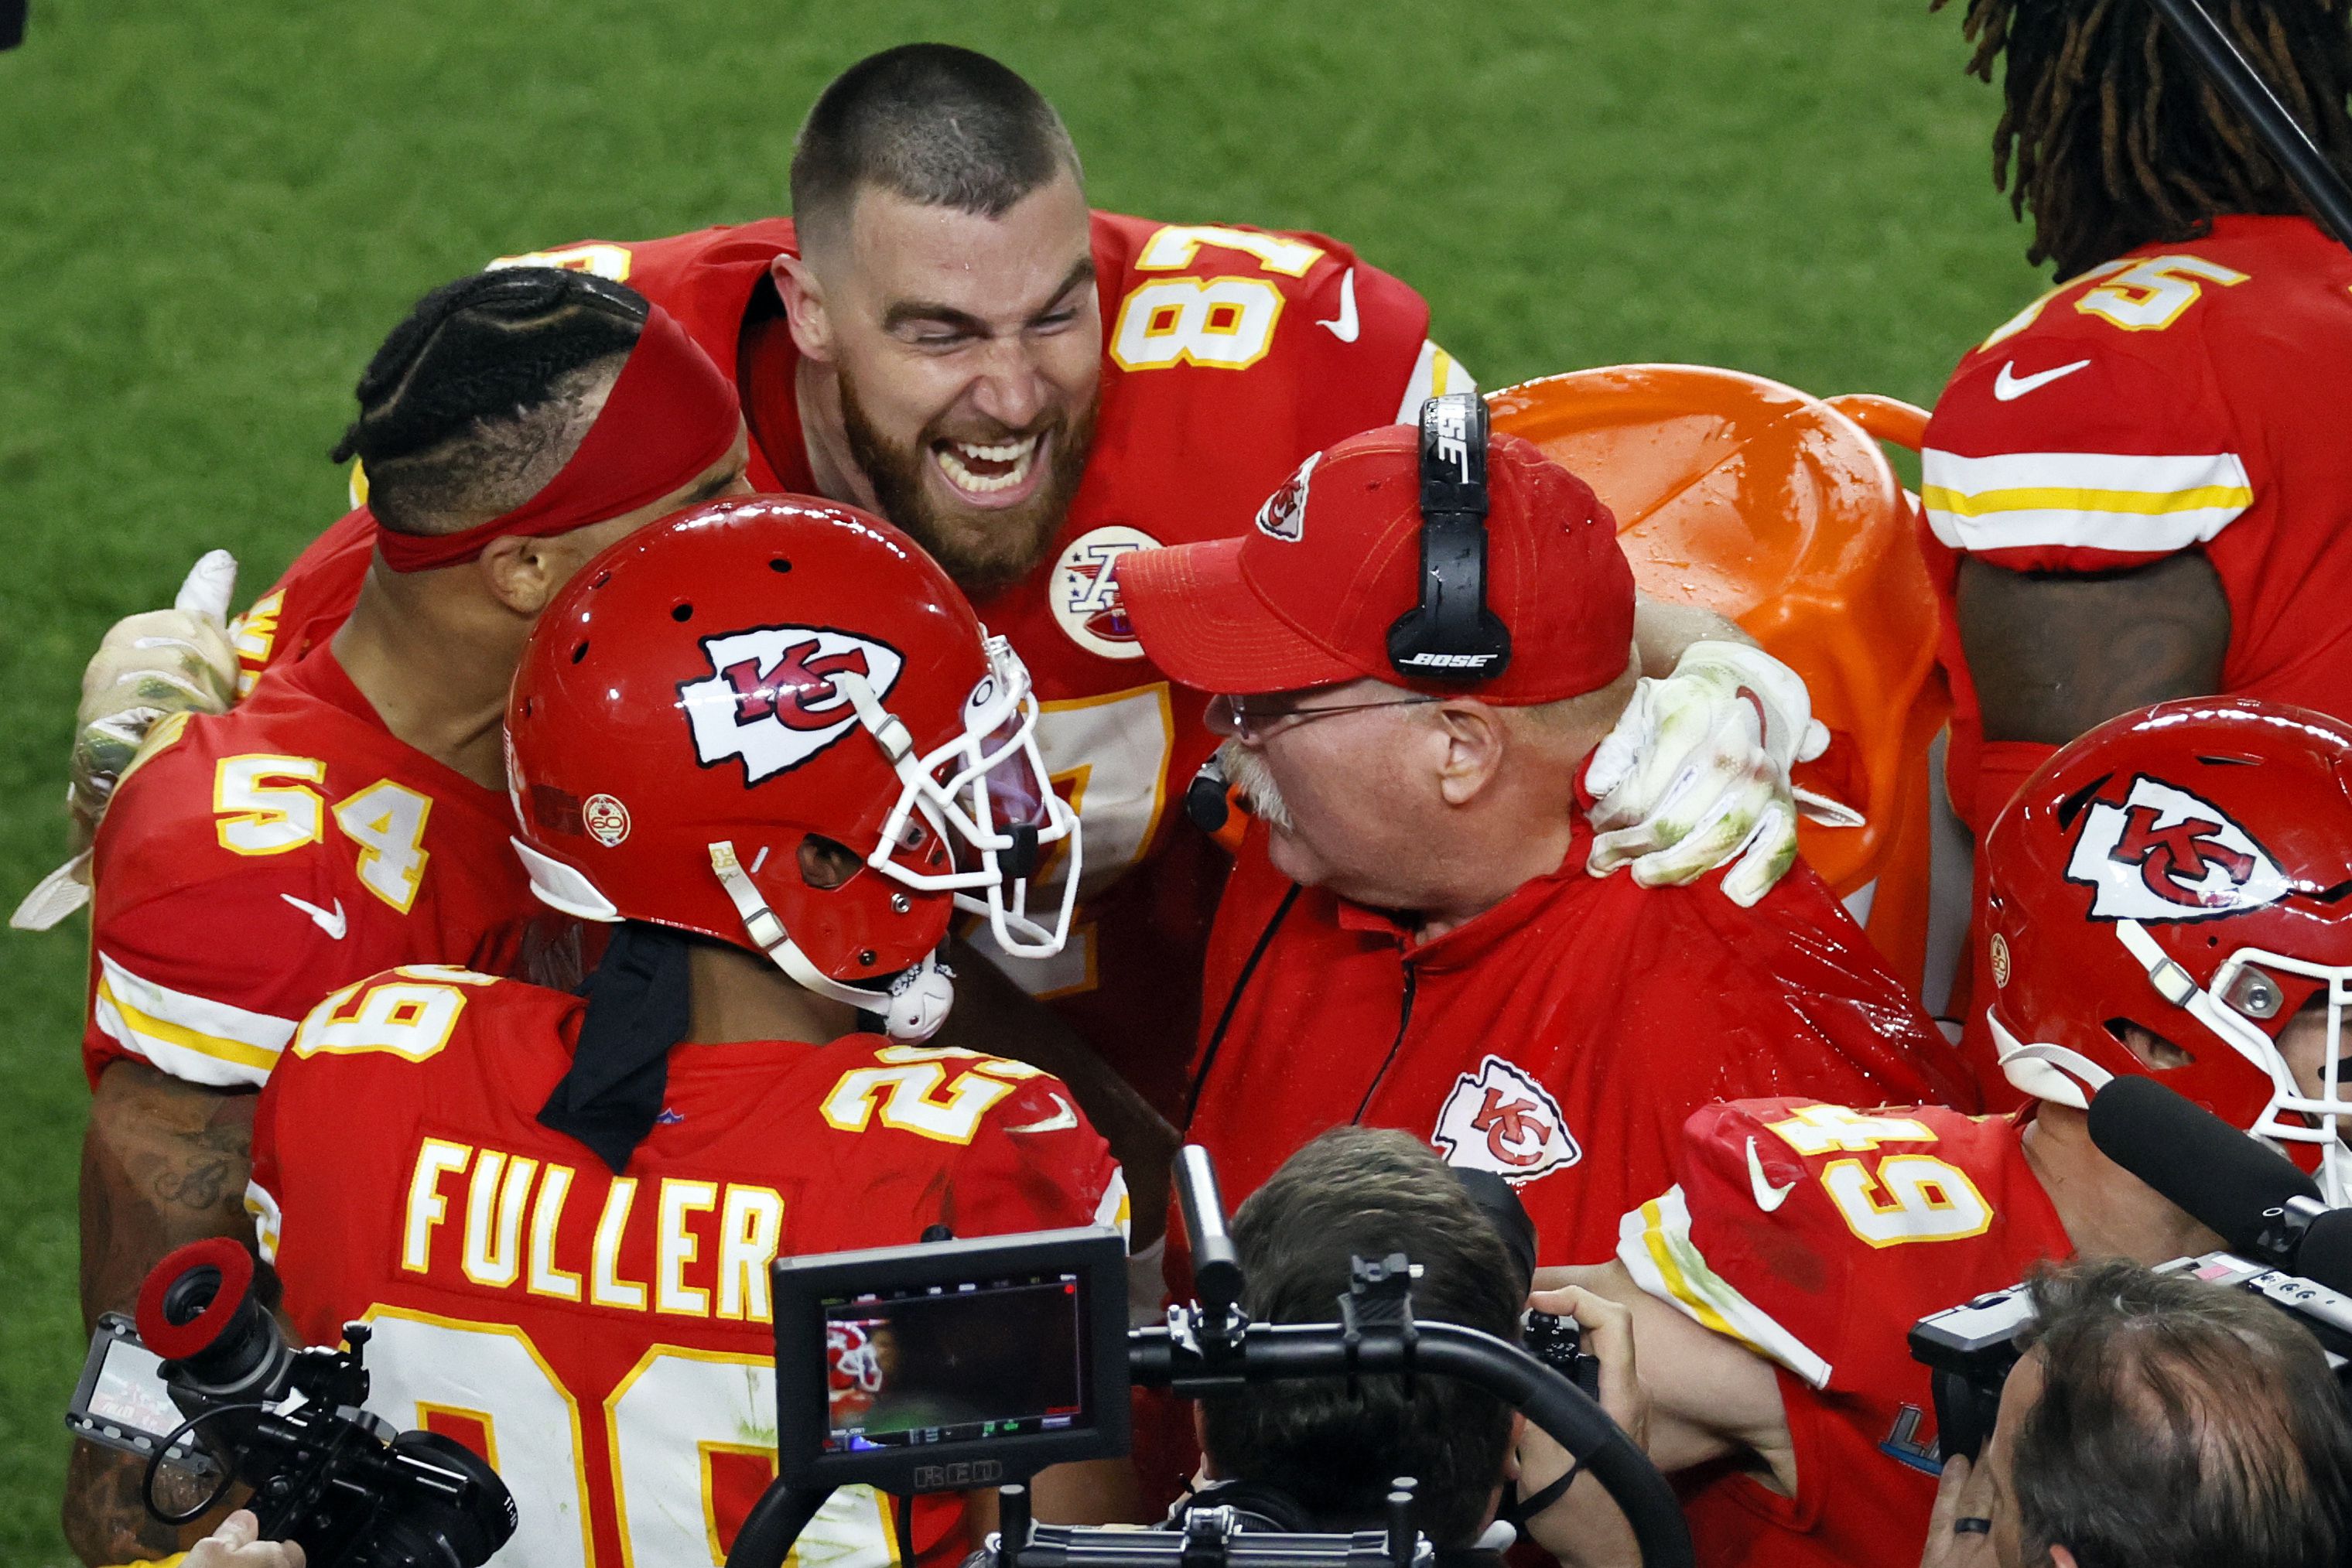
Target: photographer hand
235,1545
1584,1527
1965,1493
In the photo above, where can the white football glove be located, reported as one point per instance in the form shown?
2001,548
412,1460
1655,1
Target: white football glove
148,666
1695,775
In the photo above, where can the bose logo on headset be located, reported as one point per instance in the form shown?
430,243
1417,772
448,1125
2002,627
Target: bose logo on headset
1451,635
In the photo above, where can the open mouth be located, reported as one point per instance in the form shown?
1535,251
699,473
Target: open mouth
990,474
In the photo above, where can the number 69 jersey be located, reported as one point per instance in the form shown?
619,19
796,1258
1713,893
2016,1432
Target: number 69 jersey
605,1341
1816,1235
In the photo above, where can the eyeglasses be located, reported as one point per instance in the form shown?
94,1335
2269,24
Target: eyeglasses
1229,715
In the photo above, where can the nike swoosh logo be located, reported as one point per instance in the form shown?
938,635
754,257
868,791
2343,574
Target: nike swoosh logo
1061,1121
334,925
1768,1197
2009,386
1345,326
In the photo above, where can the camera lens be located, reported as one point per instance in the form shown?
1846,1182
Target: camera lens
187,1297
198,1311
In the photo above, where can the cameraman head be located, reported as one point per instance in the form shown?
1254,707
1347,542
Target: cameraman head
2165,1422
1361,1193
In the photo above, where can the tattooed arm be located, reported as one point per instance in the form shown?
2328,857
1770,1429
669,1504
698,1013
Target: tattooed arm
2053,655
162,1164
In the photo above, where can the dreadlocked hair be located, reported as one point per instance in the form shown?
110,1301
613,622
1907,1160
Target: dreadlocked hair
2117,137
475,400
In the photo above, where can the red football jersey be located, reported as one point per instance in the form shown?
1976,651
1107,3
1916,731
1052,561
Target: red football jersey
605,1340
2182,397
1817,1235
1230,354
1560,1039
253,862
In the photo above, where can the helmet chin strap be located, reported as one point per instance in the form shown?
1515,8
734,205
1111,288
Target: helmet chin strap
2047,1071
919,996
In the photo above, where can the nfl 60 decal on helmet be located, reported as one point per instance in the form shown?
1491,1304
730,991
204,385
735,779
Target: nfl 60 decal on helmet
2186,869
723,697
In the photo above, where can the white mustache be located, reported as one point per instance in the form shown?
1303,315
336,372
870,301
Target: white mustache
1246,771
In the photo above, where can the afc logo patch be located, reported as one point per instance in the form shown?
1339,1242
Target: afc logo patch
1085,598
2166,855
1501,1120
771,700
1284,516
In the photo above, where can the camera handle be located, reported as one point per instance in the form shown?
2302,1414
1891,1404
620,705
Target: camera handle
1177,1359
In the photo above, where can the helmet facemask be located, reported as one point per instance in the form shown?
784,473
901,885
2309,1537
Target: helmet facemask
984,794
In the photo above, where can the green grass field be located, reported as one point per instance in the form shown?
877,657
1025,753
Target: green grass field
210,213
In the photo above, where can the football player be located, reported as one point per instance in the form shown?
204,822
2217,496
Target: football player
2130,486
944,332
2165,900
349,816
767,740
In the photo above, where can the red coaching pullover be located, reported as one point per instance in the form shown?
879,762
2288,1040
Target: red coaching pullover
1560,1039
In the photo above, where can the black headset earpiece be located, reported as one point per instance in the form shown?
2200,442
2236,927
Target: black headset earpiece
1451,635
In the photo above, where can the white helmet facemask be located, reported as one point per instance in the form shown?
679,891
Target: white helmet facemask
2243,991
987,794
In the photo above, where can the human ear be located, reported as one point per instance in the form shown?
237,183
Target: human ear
523,573
1472,734
804,308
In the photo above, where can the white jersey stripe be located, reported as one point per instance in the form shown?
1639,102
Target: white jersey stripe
2094,500
1435,374
1654,1244
192,1038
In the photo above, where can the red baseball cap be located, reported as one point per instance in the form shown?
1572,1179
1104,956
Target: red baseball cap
1306,597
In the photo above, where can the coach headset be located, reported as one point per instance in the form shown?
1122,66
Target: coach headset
1450,635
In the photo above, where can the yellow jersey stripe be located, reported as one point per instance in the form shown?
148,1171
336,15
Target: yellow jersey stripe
2057,498
143,1028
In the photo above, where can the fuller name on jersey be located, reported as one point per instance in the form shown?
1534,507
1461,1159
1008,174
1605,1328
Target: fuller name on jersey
604,1340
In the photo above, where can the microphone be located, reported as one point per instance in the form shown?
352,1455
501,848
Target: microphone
2223,1179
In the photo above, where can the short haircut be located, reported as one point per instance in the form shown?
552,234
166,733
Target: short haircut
488,387
2182,1424
1356,1192
938,125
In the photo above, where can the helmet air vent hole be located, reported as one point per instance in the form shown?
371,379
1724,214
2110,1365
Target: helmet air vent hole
579,651
865,957
681,613
601,578
779,564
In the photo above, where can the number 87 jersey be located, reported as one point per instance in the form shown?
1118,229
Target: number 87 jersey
604,1338
1816,1235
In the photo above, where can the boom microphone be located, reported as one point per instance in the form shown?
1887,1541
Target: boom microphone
2222,1178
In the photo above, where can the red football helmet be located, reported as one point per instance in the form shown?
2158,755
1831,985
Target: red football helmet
719,699
2187,868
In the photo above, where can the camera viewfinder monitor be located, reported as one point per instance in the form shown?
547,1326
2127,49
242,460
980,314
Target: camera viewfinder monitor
951,1364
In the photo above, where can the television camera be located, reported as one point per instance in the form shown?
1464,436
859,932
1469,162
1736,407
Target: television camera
955,1364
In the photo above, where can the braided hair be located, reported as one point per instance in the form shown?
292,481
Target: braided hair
475,400
2118,139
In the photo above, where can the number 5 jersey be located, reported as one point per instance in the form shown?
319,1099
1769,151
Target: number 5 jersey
604,1340
255,860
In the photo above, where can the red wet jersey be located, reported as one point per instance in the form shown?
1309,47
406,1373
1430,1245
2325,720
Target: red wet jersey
1230,354
1559,1040
1817,1235
253,862
606,1341
2185,396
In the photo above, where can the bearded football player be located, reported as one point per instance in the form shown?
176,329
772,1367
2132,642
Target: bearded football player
349,817
769,746
943,332
2131,486
2166,899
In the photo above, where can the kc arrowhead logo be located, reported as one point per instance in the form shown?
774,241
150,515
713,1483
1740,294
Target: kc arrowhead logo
771,700
1284,516
2166,855
1501,1120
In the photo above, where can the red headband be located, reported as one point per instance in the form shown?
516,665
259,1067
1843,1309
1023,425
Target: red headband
671,415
